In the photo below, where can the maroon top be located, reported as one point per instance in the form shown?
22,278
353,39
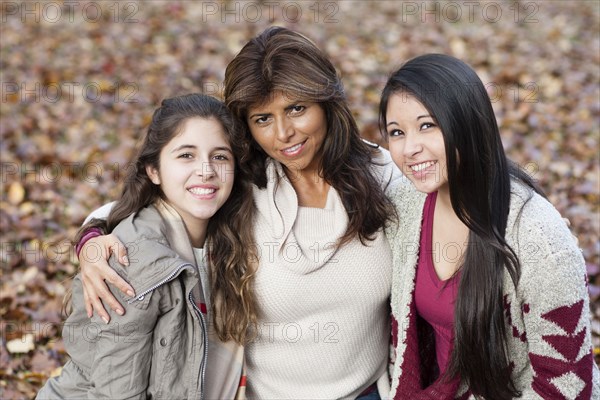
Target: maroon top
434,298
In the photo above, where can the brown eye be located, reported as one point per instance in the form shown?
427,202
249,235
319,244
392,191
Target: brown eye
297,109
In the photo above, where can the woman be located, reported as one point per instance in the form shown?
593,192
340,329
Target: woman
323,279
175,200
489,294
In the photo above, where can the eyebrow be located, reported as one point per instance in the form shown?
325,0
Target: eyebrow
289,106
259,115
191,146
418,118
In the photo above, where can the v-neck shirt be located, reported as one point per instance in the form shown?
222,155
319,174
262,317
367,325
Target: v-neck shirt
435,298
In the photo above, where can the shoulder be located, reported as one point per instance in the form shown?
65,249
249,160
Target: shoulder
408,203
144,235
385,169
534,220
547,251
146,223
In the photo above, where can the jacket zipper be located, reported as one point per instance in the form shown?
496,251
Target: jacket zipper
140,297
205,336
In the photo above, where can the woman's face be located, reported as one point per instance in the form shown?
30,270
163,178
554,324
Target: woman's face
289,131
416,143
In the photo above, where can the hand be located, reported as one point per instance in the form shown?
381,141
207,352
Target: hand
95,270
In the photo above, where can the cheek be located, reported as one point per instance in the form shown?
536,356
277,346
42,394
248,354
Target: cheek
396,150
259,135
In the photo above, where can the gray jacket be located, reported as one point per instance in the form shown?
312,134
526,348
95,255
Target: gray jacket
158,348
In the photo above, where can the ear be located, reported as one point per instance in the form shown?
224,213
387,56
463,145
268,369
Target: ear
153,174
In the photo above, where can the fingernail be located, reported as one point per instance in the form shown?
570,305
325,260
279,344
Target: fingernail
119,311
130,293
125,260
89,314
105,320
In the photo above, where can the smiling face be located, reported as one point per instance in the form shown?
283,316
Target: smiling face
291,132
416,143
196,173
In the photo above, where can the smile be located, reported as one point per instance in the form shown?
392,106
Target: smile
295,149
422,166
199,191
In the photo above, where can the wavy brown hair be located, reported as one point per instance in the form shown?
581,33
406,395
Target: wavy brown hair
280,60
230,243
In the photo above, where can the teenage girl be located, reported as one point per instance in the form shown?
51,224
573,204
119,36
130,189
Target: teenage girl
184,208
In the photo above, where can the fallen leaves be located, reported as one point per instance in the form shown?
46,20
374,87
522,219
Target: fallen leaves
78,93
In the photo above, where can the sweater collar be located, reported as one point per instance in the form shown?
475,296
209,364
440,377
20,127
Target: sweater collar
278,204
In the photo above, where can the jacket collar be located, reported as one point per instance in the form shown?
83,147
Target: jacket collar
175,231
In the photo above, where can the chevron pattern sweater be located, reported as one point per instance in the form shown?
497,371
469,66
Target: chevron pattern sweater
547,315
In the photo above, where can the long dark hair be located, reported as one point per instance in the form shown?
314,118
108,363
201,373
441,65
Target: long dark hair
479,178
282,60
229,232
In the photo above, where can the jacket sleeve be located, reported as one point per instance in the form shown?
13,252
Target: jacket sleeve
123,350
555,309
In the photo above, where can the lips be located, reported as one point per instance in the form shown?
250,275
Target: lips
422,166
293,150
203,192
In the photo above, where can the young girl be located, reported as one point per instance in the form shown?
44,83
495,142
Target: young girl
489,293
183,193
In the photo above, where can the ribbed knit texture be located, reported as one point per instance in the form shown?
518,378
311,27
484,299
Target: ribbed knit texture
324,314
547,316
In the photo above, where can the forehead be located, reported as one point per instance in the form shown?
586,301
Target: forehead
274,100
403,103
201,132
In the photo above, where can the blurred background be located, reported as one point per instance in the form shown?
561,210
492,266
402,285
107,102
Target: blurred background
80,80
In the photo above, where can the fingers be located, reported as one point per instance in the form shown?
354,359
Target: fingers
111,276
95,272
93,303
96,266
107,297
118,248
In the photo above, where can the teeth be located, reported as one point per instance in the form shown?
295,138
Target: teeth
201,191
293,148
422,166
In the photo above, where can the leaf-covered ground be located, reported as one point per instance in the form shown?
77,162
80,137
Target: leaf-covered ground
80,81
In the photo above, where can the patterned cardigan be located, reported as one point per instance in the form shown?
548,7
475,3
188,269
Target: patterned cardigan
547,316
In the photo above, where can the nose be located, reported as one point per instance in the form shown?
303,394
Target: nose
412,145
205,169
284,129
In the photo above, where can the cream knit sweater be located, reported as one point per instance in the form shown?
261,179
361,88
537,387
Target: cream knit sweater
324,325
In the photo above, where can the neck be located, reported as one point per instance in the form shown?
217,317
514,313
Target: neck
444,208
311,189
197,233
443,199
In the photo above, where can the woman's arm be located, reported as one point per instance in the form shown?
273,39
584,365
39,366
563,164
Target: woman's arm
95,271
555,309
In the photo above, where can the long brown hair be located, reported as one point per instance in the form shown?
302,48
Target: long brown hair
281,60
229,241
